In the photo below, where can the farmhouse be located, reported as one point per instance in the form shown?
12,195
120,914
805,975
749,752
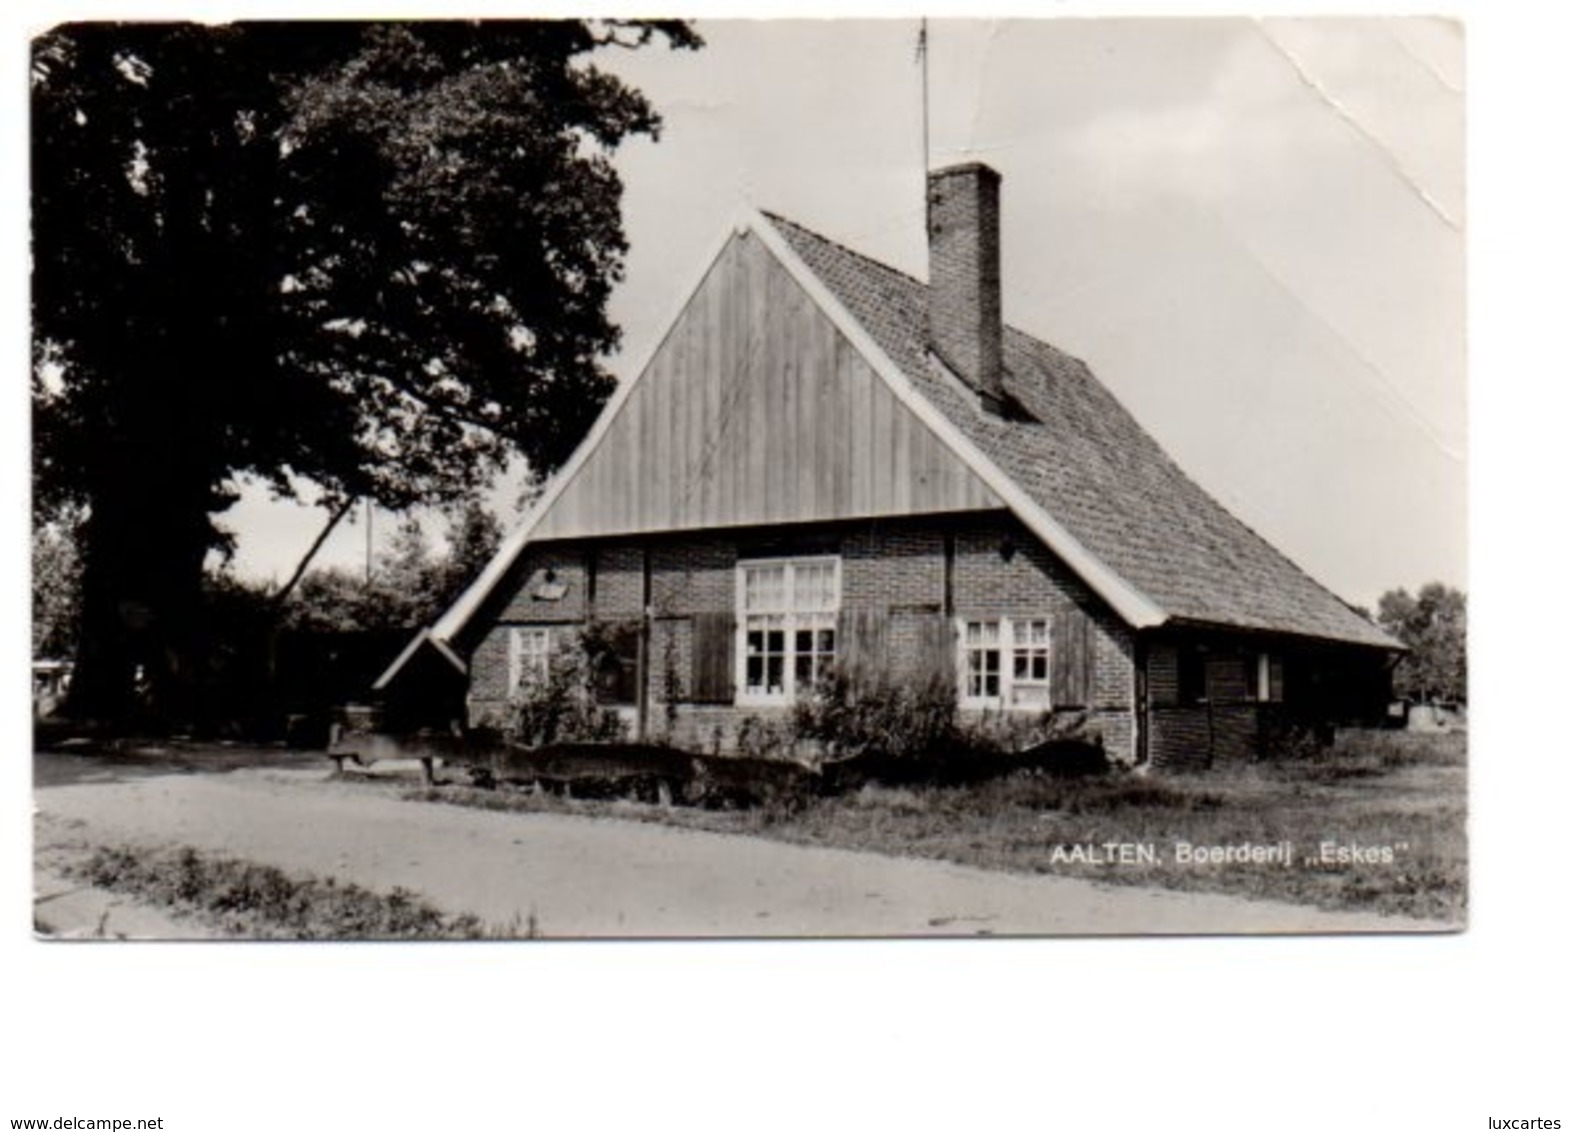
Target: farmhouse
827,461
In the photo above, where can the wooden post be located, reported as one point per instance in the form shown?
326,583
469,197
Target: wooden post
642,699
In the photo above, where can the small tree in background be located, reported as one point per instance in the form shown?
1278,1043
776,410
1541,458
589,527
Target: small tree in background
1434,625
473,536
410,585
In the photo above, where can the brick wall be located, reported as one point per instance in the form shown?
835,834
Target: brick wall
896,567
525,603
1002,570
619,581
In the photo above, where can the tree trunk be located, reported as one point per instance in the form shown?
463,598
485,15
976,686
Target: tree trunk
141,648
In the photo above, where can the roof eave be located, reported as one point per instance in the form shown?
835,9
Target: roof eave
424,636
1389,645
452,621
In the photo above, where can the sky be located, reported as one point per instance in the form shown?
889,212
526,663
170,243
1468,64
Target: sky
1252,230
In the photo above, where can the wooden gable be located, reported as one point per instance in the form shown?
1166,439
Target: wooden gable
756,409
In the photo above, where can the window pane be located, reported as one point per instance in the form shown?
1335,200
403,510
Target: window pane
982,632
814,586
764,587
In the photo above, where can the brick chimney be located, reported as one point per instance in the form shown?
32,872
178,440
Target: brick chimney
965,324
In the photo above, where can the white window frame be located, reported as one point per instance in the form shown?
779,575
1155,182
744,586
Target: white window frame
1263,678
531,644
1012,638
792,619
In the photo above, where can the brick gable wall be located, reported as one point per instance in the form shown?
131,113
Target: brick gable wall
891,566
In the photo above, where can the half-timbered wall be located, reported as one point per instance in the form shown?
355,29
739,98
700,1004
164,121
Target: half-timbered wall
756,410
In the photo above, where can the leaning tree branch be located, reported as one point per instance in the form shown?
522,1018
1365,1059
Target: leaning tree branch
283,594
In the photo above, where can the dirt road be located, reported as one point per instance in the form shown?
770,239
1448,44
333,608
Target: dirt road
586,878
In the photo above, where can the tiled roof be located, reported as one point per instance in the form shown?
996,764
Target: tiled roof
1087,462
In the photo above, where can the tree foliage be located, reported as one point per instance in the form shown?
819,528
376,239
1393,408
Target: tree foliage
57,587
371,258
1434,626
410,583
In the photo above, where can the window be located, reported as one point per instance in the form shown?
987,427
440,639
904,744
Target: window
1269,678
529,655
787,625
983,680
1029,673
1005,663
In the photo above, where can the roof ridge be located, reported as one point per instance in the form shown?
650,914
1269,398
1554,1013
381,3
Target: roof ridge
907,277
777,218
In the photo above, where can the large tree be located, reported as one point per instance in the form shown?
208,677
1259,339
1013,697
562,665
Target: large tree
355,260
1434,626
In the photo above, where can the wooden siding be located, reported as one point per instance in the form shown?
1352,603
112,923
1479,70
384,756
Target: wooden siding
1180,737
1226,680
756,410
1162,675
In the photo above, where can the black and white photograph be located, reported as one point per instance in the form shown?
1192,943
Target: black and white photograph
785,568
536,479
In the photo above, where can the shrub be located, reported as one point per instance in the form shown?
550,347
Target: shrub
1294,742
759,738
883,717
891,729
561,705
1007,732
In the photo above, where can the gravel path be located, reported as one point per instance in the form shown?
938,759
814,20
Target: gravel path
585,878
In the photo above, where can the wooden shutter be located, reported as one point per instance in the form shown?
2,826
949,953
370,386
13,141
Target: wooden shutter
860,644
936,648
1071,647
714,652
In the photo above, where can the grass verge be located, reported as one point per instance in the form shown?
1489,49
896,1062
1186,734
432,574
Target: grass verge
1341,810
262,902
